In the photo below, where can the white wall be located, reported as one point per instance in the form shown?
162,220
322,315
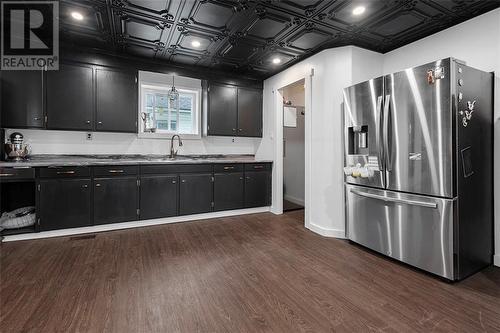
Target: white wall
68,142
477,42
333,70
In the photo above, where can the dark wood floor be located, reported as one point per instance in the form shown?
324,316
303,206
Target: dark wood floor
241,274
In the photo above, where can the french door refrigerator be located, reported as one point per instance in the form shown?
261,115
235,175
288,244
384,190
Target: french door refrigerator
418,167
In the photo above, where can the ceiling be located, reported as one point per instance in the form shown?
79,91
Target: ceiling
244,36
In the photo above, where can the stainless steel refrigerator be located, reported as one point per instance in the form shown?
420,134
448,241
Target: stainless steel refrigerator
418,167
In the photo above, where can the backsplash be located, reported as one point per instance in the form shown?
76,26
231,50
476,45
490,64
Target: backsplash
69,142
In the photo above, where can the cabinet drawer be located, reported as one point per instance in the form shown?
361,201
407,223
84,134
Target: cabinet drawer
115,170
61,172
257,166
7,174
218,168
175,168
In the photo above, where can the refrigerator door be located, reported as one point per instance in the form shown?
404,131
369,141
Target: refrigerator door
362,133
415,229
417,130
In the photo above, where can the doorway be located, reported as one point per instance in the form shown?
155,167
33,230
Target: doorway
293,146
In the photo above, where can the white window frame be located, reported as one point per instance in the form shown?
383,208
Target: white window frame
155,82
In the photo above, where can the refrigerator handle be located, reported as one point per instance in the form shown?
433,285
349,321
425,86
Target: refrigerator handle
378,134
396,200
387,110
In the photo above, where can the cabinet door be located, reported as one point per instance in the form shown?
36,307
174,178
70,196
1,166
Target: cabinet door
249,112
222,110
257,190
159,196
116,109
64,203
70,98
196,191
115,199
228,191
22,99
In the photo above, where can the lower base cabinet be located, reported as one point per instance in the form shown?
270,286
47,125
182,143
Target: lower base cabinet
257,188
64,203
115,199
159,196
196,193
71,197
229,191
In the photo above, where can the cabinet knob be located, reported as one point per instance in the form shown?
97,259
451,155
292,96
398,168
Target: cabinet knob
241,178
85,186
234,129
183,181
87,122
247,177
99,123
97,185
36,118
174,182
241,129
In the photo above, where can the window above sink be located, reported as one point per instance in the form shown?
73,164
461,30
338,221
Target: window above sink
160,115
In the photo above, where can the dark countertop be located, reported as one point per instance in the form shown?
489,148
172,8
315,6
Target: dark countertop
90,160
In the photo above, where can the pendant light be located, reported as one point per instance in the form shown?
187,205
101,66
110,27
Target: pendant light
173,94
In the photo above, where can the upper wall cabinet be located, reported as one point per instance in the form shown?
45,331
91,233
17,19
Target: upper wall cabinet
70,97
116,101
22,99
234,111
249,112
222,110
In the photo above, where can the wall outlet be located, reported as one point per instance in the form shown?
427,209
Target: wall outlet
89,136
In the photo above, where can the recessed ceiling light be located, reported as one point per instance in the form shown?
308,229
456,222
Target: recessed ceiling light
358,10
276,60
77,16
195,43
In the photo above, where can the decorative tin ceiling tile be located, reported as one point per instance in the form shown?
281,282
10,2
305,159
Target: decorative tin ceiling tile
243,36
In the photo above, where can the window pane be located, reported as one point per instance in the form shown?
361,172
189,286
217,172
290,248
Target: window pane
162,100
149,100
162,124
186,113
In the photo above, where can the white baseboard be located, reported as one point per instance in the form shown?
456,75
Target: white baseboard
336,233
133,224
295,200
496,260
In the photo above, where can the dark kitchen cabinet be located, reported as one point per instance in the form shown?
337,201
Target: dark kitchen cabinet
249,112
22,99
159,196
234,111
115,199
116,101
223,110
228,191
257,188
64,203
196,192
70,97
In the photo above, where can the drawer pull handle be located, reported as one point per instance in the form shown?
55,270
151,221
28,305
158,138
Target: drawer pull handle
258,167
174,182
7,174
97,185
228,167
85,186
183,181
115,171
65,172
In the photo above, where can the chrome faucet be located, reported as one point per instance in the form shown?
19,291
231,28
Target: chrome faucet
173,153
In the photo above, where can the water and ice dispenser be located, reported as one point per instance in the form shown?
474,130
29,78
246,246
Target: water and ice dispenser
357,137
